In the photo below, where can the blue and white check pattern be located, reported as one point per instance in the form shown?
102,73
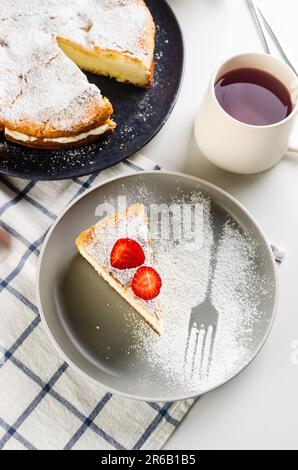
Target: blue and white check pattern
44,404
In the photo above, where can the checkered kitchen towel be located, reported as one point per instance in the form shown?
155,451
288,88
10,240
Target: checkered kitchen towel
43,403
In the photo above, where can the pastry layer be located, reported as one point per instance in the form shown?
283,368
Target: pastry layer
60,141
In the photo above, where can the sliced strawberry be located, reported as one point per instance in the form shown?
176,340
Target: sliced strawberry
146,283
127,254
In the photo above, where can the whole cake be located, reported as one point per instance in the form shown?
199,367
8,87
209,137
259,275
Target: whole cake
46,101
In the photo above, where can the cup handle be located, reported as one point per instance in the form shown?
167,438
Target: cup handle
293,143
293,149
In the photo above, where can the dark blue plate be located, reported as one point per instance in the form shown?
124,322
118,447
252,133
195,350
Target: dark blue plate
139,114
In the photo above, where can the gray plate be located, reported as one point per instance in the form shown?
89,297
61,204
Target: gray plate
95,330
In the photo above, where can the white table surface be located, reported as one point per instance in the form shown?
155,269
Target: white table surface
258,409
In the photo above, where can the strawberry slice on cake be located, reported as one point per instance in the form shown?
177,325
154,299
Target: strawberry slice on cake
119,248
127,254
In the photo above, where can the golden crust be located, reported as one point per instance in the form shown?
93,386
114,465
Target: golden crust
96,114
86,238
149,44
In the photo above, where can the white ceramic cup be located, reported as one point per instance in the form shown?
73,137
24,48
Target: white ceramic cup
238,147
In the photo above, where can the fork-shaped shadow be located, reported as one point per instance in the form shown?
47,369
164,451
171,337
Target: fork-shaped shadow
203,319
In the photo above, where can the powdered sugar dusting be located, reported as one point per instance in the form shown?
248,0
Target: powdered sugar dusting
37,81
235,286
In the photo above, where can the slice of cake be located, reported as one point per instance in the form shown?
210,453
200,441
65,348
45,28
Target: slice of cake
119,248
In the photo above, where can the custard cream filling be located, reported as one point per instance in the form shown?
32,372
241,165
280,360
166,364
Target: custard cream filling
60,140
124,69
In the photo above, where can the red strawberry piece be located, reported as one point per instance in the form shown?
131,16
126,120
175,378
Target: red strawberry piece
146,283
127,254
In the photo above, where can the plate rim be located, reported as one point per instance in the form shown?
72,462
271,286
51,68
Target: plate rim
187,395
79,173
